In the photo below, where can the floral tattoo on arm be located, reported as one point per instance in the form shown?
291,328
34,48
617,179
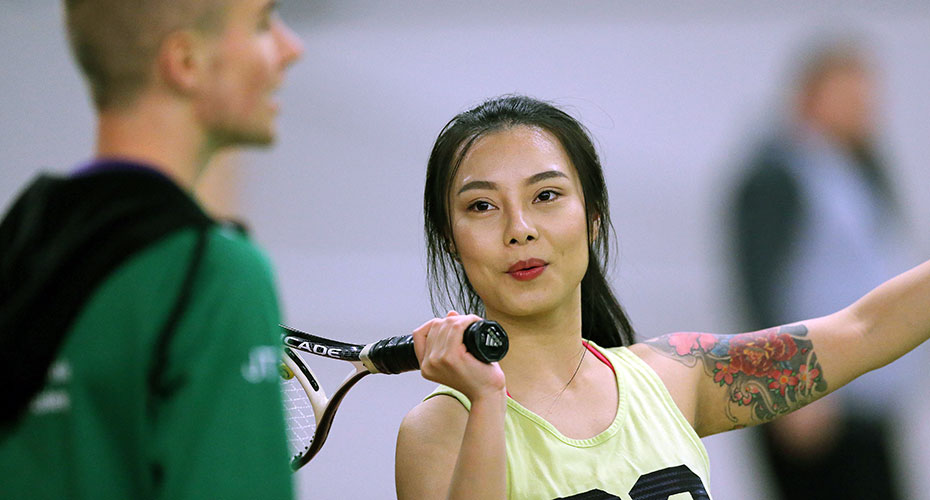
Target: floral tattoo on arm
772,372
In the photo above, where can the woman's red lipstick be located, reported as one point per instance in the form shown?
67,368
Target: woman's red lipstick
526,270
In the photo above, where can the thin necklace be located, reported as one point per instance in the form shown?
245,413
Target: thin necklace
584,351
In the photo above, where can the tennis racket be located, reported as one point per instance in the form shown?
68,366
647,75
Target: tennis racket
309,413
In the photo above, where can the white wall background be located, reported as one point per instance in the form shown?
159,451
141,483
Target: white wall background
674,92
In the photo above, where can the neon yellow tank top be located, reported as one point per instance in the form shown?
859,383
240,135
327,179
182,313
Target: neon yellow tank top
649,452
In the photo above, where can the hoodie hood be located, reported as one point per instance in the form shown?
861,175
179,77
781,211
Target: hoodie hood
58,242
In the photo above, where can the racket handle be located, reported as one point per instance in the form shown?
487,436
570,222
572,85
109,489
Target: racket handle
486,340
392,355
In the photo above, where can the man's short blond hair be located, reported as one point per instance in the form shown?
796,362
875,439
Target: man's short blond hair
115,42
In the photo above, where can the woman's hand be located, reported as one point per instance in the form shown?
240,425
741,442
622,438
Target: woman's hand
444,359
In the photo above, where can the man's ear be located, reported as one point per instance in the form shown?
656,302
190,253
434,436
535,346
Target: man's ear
181,61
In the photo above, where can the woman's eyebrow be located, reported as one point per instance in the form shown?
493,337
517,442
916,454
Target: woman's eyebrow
548,174
533,179
478,185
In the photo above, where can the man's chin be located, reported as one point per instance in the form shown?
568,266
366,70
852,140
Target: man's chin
240,138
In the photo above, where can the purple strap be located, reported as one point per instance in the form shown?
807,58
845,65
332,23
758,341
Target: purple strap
101,165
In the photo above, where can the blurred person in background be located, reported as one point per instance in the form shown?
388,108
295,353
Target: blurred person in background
815,224
139,337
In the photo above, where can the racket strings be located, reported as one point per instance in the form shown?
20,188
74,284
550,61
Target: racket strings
299,416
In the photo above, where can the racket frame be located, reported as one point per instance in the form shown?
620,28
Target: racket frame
324,409
394,355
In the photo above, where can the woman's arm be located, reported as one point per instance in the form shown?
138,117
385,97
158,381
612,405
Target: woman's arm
447,452
877,329
443,450
739,380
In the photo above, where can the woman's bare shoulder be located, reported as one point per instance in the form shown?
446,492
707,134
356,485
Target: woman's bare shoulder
442,413
427,447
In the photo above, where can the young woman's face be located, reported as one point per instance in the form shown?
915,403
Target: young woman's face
518,223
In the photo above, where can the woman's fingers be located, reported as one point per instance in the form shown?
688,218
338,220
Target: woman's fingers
439,336
419,338
443,351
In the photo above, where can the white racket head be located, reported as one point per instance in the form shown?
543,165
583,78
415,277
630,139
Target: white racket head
304,403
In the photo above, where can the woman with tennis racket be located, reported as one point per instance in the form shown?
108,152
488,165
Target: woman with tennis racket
517,227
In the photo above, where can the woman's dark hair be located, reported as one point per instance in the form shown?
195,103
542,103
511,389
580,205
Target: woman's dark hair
603,320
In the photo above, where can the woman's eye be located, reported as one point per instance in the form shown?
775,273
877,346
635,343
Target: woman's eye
480,206
547,195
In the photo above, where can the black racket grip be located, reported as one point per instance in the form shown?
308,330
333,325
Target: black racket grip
486,340
394,355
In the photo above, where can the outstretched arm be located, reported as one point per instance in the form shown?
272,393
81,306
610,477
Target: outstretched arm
752,378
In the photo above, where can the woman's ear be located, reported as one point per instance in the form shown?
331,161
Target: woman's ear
595,229
450,248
